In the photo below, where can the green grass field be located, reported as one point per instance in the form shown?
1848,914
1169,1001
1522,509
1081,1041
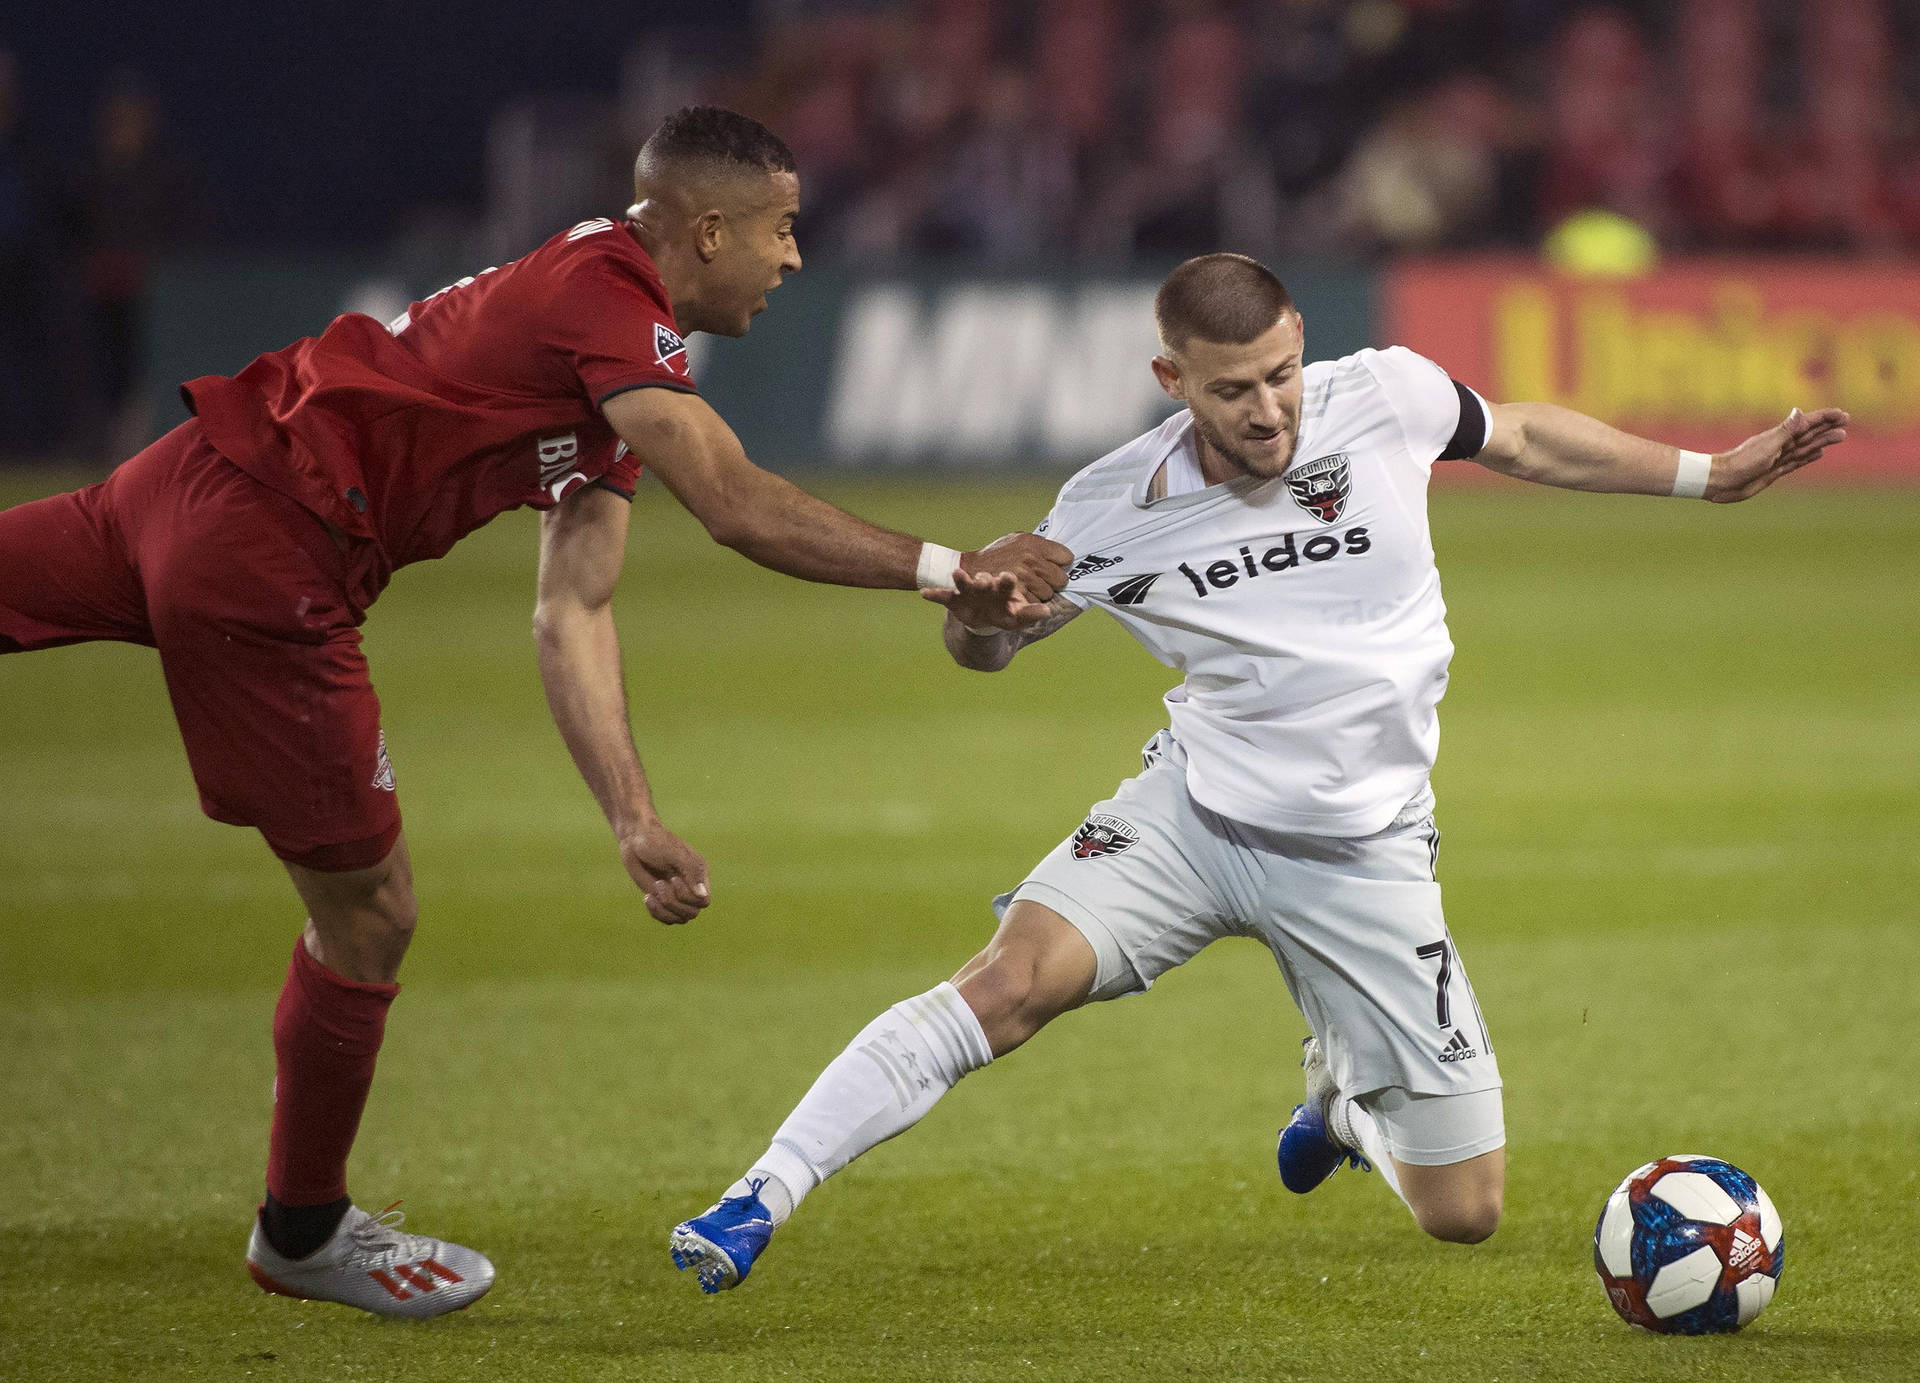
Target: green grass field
1680,788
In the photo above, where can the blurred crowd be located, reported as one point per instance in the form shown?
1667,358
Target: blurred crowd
1341,127
79,240
1031,131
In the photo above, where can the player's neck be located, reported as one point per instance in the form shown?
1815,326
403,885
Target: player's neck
1215,468
673,271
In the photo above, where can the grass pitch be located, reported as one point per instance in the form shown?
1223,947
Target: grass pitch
1680,788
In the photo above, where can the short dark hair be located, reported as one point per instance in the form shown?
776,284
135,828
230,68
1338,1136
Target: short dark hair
1219,297
711,134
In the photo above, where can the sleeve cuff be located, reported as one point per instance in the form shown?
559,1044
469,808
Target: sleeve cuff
678,386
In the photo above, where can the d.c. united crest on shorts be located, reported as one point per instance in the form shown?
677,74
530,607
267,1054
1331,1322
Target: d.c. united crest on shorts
1321,486
1100,836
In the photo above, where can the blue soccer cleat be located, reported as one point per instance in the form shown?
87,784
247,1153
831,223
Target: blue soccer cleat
1309,1153
721,1245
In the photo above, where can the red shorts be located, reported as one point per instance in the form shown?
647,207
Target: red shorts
248,598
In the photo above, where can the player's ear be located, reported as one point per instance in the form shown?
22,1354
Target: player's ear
1168,374
709,230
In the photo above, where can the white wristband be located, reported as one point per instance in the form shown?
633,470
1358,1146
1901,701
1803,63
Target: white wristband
1690,480
937,564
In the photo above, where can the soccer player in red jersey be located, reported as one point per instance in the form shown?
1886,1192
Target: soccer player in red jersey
248,543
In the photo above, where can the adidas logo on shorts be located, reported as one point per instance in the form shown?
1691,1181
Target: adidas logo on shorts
1458,1048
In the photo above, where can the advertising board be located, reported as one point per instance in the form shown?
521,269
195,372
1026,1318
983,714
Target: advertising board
908,367
1700,354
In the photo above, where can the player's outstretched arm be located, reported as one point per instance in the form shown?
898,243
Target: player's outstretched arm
583,541
1557,446
780,526
982,648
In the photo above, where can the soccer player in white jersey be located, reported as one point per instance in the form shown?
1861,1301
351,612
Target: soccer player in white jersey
1270,542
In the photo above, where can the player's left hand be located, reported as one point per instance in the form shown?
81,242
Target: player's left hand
669,871
1781,450
986,601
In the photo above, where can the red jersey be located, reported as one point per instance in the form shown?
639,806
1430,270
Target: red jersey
482,398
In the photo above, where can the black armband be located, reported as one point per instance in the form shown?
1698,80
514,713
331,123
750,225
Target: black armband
1470,437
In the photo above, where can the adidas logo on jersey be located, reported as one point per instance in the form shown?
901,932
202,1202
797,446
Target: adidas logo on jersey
1090,564
1458,1048
1133,590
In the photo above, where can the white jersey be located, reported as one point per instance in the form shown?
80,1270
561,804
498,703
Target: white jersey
1304,612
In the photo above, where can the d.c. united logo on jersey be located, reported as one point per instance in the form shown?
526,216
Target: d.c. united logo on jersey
666,345
1321,486
1100,836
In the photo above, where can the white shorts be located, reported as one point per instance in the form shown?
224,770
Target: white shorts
1152,877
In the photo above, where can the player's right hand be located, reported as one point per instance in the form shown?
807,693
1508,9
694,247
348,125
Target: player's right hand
669,871
988,602
1037,565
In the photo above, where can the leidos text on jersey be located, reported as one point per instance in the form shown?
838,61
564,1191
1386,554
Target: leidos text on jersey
1284,556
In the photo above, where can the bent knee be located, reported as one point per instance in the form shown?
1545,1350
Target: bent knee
1004,990
1013,999
397,906
364,932
1459,1222
381,905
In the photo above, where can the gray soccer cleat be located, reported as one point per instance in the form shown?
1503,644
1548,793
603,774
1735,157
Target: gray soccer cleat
1308,1152
1313,1063
370,1264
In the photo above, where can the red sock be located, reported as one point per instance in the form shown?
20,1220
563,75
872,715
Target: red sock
326,1036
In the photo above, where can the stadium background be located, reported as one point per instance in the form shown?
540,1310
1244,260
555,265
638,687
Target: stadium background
1679,786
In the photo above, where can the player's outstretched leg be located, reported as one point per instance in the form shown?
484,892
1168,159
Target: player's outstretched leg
1037,967
885,1082
309,1240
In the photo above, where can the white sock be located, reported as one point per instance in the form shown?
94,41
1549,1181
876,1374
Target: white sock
1351,1123
881,1085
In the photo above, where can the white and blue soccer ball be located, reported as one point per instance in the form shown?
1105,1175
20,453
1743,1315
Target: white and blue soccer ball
1689,1245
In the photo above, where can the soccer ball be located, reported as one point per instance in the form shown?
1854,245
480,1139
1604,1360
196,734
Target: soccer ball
1689,1246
